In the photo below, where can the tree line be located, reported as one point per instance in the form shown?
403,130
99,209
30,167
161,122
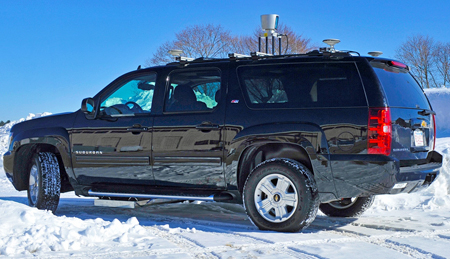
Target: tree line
429,60
2,123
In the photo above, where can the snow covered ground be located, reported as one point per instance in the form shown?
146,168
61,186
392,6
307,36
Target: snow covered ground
397,226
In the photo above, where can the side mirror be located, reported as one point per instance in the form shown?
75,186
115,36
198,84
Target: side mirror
88,108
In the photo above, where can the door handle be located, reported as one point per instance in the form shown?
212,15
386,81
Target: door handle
207,126
137,128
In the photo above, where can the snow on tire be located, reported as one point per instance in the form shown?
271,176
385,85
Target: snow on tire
351,207
281,195
44,182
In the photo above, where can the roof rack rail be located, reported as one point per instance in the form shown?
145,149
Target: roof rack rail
322,52
180,58
260,54
237,55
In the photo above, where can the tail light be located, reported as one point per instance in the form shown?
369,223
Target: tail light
379,135
433,117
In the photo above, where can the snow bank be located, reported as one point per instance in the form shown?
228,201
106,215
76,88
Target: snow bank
26,230
440,100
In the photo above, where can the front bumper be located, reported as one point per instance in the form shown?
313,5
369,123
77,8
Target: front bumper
8,162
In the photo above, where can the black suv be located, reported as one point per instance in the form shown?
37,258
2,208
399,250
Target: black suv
284,135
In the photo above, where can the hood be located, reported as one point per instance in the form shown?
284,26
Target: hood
64,120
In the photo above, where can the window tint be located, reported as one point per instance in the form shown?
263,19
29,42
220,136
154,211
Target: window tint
193,90
133,97
302,85
400,87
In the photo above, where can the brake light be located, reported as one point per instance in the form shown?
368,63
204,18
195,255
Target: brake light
434,131
397,64
379,136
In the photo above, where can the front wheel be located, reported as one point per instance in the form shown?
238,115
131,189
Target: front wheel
44,182
349,207
281,195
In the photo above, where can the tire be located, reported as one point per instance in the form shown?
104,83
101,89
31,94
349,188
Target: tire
44,182
350,207
281,195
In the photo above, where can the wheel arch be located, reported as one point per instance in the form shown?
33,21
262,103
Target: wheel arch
255,154
298,141
27,144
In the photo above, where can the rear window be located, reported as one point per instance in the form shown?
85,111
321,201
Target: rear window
302,85
400,87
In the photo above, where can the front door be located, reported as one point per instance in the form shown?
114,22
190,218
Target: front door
116,146
187,136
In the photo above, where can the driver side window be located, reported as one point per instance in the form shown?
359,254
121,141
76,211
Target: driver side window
133,97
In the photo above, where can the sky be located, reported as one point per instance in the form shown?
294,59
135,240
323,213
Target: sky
55,53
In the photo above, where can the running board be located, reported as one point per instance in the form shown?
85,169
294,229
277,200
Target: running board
130,204
218,197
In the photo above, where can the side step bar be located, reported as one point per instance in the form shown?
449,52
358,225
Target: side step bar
216,198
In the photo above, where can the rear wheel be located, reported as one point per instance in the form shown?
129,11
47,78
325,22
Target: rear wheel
349,207
281,195
44,182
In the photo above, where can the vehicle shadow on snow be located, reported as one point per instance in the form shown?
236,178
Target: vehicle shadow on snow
18,199
205,216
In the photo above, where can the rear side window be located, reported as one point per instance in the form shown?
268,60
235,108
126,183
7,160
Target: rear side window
193,90
400,87
302,85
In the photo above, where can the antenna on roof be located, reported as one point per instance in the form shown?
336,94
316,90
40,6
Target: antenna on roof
176,53
331,43
375,53
269,24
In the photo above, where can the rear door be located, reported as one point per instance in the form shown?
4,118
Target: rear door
188,150
412,118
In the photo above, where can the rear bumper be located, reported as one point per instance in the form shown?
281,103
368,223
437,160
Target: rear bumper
415,178
365,175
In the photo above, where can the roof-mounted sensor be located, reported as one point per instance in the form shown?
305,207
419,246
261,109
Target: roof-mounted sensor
331,43
375,53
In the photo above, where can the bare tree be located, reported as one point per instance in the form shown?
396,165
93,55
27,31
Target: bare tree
418,51
195,41
214,41
442,62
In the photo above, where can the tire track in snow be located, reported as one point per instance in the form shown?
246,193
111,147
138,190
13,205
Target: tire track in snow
189,246
290,247
383,240
412,251
348,230
249,241
264,243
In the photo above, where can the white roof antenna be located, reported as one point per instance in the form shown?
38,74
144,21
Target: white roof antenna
331,43
375,53
176,53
